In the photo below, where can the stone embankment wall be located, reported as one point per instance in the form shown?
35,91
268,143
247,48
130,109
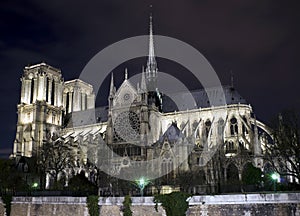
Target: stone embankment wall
2,209
276,204
45,206
141,206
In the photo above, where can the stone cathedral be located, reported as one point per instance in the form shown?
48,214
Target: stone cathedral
51,108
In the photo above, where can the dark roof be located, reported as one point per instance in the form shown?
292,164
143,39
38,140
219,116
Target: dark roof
87,117
172,134
200,97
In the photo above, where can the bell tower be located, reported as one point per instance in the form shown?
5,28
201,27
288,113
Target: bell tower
40,110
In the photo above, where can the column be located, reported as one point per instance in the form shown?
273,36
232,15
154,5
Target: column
59,94
70,101
91,101
23,100
35,88
28,91
65,101
55,93
49,90
76,99
41,87
83,101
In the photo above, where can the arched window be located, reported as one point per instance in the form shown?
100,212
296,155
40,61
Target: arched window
220,127
233,126
167,168
52,92
207,127
230,146
195,124
244,128
31,91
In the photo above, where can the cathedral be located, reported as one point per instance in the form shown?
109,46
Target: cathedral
139,124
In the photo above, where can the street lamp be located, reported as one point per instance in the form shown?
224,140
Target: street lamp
142,182
35,185
275,177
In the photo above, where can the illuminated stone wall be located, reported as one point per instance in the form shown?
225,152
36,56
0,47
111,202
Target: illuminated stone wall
2,208
283,204
67,206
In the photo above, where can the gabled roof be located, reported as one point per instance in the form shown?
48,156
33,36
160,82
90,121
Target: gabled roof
201,98
172,134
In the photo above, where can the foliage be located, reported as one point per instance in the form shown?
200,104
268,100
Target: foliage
126,206
92,204
7,202
82,184
284,153
175,203
10,178
252,175
55,156
190,179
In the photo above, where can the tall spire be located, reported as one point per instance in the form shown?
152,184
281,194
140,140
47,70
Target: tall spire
112,87
126,74
143,82
151,70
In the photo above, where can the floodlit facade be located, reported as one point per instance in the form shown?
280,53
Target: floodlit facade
140,125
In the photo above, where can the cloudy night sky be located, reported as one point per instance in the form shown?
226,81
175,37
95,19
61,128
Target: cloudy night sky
257,40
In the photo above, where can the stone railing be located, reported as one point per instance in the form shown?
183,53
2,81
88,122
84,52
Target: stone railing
234,204
147,201
50,200
246,199
68,206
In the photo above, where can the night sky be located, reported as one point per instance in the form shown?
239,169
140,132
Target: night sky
257,40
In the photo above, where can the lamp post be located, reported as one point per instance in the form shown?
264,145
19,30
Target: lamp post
275,177
142,182
141,185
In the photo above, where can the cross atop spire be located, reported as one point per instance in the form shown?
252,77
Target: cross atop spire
151,70
126,74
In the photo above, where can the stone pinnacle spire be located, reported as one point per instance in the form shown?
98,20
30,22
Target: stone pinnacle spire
112,87
151,70
143,82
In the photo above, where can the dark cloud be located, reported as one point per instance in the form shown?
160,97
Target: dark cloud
257,40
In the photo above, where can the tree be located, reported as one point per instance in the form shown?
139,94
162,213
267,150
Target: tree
251,175
81,184
54,157
126,206
10,178
175,203
284,153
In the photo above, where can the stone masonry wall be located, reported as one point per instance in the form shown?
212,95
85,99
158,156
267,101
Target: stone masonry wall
141,206
2,208
276,204
45,206
287,204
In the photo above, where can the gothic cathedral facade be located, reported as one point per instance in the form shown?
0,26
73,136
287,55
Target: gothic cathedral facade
139,124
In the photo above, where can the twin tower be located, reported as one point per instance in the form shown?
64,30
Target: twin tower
45,99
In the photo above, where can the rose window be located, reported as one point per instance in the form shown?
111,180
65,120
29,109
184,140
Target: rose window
126,127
